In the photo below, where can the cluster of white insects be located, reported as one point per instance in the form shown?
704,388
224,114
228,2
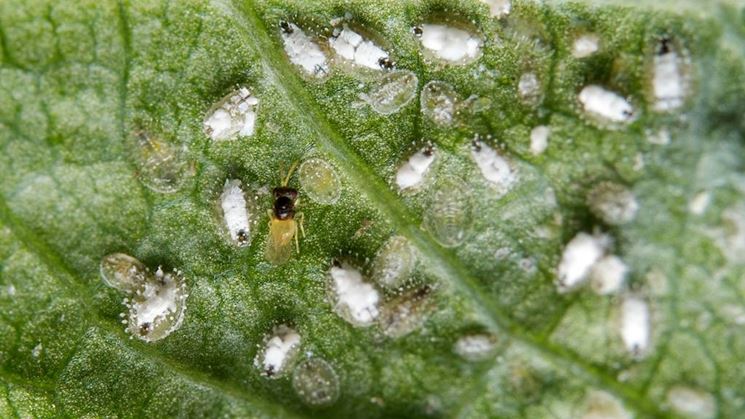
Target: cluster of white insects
359,300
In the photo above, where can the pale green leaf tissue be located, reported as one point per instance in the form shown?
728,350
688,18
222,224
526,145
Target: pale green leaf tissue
510,209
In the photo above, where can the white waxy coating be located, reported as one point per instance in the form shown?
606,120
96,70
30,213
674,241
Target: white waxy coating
539,139
691,402
494,167
449,43
234,116
157,309
279,348
352,47
411,174
699,203
579,255
498,8
635,325
235,212
669,82
529,88
303,52
608,275
37,350
475,347
606,105
356,300
613,202
585,45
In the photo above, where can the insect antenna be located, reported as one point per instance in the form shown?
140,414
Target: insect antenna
286,180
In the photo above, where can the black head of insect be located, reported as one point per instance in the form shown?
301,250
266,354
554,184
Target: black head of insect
284,202
665,46
286,27
386,63
418,31
145,328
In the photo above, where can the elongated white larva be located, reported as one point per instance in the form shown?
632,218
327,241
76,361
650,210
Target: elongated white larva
635,325
580,254
606,105
235,212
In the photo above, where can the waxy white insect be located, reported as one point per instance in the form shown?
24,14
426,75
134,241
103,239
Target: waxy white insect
635,325
605,105
413,172
495,168
449,43
235,212
278,350
354,48
579,255
356,300
303,51
232,117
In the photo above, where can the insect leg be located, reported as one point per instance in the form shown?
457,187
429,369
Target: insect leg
301,221
297,243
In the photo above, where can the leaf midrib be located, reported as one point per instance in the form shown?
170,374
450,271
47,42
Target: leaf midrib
277,66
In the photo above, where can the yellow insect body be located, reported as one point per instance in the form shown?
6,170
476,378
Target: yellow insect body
281,235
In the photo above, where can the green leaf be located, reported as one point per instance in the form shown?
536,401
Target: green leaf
464,297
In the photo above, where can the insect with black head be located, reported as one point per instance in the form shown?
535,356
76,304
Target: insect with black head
284,222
